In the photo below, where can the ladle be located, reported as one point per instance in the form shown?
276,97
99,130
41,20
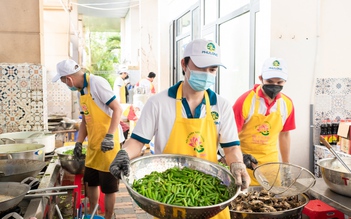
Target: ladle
331,149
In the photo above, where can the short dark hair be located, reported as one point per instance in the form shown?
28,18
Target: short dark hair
186,62
151,75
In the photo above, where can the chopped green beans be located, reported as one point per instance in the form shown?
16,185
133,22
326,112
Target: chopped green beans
182,187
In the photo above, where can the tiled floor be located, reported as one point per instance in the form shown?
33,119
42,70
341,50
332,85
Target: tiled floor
125,207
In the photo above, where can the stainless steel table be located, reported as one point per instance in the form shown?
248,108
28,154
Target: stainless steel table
322,192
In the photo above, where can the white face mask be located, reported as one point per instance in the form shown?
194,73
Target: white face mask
200,81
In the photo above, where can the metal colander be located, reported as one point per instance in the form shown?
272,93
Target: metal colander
142,166
284,179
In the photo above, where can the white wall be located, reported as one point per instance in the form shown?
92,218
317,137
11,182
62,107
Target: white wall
312,36
293,37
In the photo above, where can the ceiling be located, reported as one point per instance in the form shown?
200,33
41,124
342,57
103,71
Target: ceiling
104,15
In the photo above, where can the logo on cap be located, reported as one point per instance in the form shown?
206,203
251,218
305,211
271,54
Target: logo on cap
275,65
211,48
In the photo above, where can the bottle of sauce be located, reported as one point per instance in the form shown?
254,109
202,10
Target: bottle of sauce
335,127
329,137
323,132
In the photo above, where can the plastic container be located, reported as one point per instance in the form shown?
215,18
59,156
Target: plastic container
95,217
317,209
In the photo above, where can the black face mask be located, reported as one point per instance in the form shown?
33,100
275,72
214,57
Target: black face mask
272,90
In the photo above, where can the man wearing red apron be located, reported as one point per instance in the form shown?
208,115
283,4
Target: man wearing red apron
264,115
189,118
101,114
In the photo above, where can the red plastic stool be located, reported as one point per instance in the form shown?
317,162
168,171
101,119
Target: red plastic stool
316,209
79,196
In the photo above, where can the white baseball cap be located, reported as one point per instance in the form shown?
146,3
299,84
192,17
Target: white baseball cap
204,53
122,68
274,68
64,68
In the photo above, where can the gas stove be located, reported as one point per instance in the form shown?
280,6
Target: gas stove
41,207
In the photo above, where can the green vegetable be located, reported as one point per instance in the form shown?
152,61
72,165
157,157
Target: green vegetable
182,187
70,152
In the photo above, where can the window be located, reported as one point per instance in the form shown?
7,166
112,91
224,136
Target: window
183,24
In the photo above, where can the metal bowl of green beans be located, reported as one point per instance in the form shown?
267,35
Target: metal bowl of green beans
152,187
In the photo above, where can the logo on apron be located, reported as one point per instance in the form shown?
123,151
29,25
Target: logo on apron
85,109
215,117
195,140
263,136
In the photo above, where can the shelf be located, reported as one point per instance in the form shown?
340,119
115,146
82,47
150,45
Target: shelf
322,192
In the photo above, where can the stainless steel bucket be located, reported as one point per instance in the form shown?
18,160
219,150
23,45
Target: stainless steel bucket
31,137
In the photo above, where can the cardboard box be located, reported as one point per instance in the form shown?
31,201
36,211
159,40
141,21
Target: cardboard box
344,133
345,145
344,130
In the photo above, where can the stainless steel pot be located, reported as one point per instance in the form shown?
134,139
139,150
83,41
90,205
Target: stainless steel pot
19,169
68,162
295,213
12,193
37,137
335,175
22,151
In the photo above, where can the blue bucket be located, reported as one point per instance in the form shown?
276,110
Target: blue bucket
95,217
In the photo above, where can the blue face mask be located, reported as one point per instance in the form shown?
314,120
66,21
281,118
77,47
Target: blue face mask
200,81
71,88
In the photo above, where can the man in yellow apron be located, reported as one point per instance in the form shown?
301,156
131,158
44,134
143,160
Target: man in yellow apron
264,115
101,115
189,118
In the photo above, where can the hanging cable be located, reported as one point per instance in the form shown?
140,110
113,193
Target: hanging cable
76,32
105,9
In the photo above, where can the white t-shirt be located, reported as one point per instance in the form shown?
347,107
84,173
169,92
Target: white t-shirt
102,95
158,115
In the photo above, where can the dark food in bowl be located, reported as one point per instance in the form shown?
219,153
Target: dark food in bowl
264,201
182,187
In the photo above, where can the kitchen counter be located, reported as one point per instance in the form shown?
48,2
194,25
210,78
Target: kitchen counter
322,192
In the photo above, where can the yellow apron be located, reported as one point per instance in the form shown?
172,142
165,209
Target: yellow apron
122,93
97,124
259,136
194,137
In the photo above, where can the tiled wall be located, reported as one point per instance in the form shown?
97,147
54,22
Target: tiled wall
23,97
332,101
60,98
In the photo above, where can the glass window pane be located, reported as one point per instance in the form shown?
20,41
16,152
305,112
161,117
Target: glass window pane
181,44
227,6
210,9
234,42
183,24
262,48
196,23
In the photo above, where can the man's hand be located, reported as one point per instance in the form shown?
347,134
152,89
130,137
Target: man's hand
120,164
287,179
77,152
249,161
240,174
107,144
